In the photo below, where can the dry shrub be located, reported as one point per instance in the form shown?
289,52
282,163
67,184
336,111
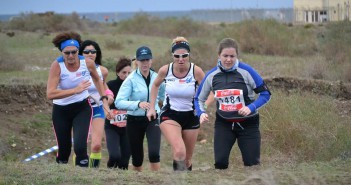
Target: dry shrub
9,62
305,125
336,47
144,24
50,23
269,37
113,45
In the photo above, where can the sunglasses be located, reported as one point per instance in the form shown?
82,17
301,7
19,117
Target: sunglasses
70,52
181,55
89,51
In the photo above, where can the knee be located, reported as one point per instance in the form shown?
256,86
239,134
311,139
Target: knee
96,147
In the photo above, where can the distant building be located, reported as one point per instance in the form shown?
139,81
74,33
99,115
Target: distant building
319,11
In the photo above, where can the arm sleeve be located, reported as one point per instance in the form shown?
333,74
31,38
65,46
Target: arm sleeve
122,100
202,93
260,88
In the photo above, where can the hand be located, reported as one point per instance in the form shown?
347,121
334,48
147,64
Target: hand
244,111
203,118
107,110
82,86
144,105
151,114
108,113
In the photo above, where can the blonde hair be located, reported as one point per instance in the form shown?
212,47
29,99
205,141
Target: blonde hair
179,39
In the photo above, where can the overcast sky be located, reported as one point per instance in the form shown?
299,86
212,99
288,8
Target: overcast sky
84,6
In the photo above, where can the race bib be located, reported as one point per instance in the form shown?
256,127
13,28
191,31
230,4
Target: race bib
119,118
230,100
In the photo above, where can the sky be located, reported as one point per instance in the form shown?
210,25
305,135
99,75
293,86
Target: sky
85,6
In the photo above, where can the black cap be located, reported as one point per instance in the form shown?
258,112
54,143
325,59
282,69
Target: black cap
143,53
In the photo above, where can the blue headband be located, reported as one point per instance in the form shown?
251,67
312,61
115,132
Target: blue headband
70,42
180,44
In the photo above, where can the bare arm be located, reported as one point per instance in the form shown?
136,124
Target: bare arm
98,84
154,90
104,72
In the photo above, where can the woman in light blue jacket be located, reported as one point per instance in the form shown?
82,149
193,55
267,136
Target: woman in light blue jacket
134,96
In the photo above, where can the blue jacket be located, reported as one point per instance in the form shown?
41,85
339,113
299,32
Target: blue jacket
135,90
243,77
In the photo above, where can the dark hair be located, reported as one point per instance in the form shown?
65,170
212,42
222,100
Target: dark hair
122,63
96,46
228,43
61,37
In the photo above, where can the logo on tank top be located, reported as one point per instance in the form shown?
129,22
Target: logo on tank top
188,80
63,76
81,73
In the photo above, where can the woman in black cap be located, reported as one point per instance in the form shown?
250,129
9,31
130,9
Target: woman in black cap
134,96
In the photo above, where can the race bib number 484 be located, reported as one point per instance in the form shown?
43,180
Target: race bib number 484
230,99
119,118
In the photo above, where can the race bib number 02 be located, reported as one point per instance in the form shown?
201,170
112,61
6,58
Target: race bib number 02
119,118
230,99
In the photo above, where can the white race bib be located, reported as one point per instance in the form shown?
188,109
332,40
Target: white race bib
119,118
230,100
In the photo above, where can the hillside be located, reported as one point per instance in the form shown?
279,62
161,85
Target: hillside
28,103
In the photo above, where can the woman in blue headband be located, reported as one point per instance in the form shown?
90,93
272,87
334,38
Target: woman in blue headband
67,86
178,122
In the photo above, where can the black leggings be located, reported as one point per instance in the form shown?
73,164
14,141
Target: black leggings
249,141
117,146
137,127
76,116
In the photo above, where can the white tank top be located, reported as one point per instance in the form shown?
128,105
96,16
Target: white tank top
69,80
93,92
180,92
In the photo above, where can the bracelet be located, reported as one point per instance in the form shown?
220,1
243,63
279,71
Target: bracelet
103,97
109,92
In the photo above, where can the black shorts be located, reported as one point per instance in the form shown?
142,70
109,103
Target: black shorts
187,120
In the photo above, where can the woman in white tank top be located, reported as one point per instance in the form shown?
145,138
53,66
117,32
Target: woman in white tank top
67,86
178,122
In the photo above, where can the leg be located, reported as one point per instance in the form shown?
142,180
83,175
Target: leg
97,132
224,139
173,134
189,137
249,142
125,149
153,135
81,124
112,142
136,133
62,127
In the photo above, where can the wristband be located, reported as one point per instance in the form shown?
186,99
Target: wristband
103,97
109,92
